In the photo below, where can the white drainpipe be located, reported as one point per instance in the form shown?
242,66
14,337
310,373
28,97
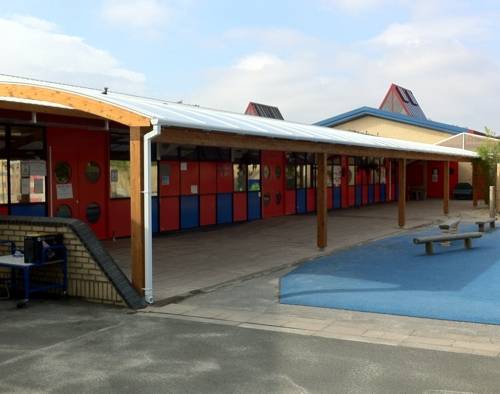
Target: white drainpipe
148,230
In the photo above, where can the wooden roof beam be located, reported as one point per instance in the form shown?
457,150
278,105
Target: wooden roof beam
173,135
75,101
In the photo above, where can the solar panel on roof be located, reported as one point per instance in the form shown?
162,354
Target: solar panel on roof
402,94
412,99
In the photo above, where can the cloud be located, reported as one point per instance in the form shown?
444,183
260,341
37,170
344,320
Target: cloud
439,59
147,16
41,51
354,6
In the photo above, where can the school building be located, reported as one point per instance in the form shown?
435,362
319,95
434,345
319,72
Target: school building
134,166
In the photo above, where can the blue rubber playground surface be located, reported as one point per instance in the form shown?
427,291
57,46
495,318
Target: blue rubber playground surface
394,276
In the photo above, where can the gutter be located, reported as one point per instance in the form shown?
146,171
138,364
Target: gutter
148,228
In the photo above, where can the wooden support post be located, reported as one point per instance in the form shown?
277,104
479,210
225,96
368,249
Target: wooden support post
322,206
402,193
475,175
446,187
137,208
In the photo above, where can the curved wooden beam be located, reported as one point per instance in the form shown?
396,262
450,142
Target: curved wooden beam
75,101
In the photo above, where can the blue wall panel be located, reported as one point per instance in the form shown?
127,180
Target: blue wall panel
371,194
154,215
224,208
337,197
253,205
382,193
359,194
28,210
189,212
301,201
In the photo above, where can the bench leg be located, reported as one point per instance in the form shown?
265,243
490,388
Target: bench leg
428,248
468,243
481,227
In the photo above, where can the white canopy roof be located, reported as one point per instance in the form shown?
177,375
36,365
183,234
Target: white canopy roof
189,116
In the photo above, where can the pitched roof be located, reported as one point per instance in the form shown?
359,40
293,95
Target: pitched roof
170,114
401,100
263,110
378,113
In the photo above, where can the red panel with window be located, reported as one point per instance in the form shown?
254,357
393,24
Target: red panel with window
190,177
169,178
208,209
224,177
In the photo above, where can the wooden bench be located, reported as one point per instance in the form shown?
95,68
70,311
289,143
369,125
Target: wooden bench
450,225
482,223
428,241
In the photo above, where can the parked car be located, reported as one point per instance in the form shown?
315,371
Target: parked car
463,191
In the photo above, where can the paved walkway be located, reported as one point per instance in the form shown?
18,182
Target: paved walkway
254,304
190,261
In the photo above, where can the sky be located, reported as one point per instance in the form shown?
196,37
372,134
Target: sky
312,58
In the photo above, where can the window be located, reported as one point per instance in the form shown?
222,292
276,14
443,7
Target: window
168,151
253,177
239,177
329,179
207,153
28,168
300,176
119,167
4,199
290,176
352,172
119,176
188,152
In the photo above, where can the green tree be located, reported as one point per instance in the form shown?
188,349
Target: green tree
489,157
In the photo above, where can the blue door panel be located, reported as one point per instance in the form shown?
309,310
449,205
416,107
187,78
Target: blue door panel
224,208
371,194
382,193
337,197
358,195
189,212
301,201
253,205
27,210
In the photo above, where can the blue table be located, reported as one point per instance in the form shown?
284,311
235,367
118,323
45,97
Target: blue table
16,263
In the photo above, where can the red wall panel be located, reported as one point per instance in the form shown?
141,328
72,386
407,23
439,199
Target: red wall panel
311,200
169,213
208,209
119,217
169,178
329,198
190,177
239,207
345,187
364,188
224,177
208,177
290,200
4,210
377,192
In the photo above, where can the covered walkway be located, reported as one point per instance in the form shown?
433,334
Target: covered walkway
191,261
